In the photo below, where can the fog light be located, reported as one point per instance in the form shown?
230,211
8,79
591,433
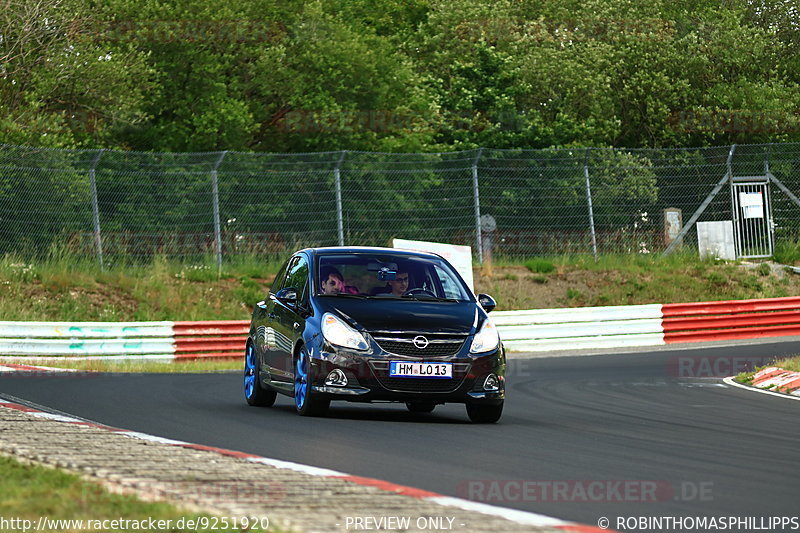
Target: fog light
336,379
492,383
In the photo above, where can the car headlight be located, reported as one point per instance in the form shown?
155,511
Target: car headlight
337,332
486,339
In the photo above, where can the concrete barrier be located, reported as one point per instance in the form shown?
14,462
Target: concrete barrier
541,330
76,339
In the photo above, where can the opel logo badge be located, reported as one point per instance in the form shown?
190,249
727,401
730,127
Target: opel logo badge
420,342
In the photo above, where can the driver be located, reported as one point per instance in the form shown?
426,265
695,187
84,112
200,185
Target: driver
395,287
400,284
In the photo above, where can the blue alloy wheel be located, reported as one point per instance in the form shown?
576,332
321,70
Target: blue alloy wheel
254,392
249,372
305,401
301,381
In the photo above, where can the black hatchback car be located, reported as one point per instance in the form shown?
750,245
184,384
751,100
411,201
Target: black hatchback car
374,324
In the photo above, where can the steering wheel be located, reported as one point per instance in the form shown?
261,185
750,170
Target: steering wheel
418,290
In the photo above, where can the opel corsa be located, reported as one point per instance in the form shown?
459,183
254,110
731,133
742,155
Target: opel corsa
374,325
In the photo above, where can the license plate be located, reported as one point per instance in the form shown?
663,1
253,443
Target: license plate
404,369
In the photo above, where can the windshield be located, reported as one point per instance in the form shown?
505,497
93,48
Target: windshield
367,275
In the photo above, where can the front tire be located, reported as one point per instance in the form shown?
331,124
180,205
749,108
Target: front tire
305,401
254,393
484,414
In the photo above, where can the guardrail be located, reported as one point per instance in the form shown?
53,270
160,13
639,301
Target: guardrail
582,327
210,339
133,340
82,339
535,330
735,319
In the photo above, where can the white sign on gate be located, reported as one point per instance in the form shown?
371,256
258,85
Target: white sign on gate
752,204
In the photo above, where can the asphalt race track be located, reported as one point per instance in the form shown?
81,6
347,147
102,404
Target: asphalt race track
645,434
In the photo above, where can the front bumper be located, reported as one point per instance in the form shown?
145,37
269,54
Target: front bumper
368,379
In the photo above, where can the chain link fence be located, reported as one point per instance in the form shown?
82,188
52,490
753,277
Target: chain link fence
128,206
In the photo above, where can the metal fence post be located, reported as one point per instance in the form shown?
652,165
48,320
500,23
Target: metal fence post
337,180
737,241
215,201
477,203
589,202
771,223
98,242
766,159
718,187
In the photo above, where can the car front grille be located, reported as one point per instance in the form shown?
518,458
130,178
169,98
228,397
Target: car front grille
401,343
381,371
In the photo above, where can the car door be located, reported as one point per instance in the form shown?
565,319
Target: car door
263,316
288,320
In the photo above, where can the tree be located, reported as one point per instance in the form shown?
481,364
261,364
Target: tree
61,84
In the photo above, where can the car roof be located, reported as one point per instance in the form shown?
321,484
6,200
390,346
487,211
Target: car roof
329,250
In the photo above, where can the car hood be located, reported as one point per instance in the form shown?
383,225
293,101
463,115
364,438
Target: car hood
404,315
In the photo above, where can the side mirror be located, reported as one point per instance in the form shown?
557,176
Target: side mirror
287,296
487,302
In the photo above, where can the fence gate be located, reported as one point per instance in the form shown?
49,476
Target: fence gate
752,216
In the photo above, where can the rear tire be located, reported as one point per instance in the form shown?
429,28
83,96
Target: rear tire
305,400
420,406
254,392
484,414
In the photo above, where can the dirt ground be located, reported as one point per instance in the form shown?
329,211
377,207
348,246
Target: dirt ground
515,287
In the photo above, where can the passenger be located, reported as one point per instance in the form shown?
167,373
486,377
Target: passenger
351,289
331,280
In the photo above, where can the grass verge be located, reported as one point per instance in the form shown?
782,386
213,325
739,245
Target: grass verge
33,492
580,281
790,363
67,287
64,287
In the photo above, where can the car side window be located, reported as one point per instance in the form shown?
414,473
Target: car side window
450,286
277,283
297,276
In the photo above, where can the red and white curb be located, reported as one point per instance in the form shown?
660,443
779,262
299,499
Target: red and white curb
782,380
772,380
519,517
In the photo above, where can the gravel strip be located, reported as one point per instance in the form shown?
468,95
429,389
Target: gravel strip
225,486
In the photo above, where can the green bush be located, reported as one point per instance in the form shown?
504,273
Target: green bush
787,252
539,265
